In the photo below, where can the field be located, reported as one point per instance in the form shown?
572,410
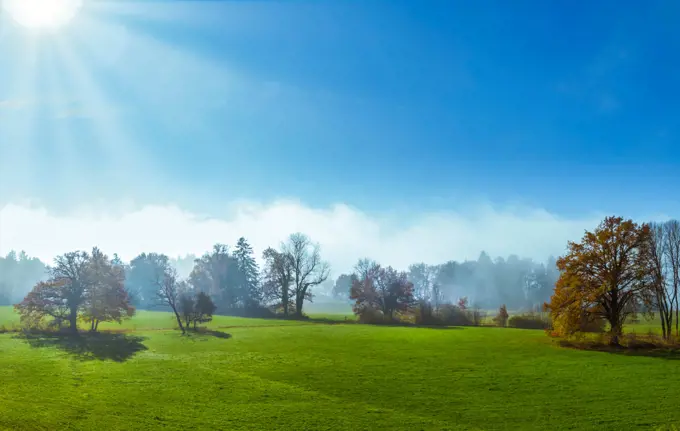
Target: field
271,374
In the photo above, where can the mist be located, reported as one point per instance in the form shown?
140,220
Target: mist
489,255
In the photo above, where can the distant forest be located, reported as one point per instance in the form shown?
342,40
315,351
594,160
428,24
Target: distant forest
520,283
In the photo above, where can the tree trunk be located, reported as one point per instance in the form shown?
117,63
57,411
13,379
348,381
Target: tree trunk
677,334
615,333
299,301
284,297
96,326
179,320
73,319
662,316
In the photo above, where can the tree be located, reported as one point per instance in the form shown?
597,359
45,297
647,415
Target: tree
169,291
366,268
80,286
106,299
342,286
203,309
216,274
140,279
672,236
249,274
423,278
308,270
384,289
5,293
45,300
605,275
19,273
501,318
196,309
278,278
72,272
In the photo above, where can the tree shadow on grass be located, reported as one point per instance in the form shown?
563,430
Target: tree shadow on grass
649,350
102,346
212,333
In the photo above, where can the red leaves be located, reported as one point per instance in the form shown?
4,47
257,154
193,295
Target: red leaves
383,289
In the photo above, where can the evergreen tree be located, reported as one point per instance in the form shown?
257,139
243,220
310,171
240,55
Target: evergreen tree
249,273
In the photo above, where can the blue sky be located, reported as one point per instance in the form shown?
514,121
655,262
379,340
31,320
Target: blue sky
385,106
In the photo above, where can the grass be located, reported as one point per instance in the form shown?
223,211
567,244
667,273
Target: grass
269,374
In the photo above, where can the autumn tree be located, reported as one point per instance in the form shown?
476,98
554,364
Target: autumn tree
46,300
80,286
63,295
606,275
308,270
106,299
384,289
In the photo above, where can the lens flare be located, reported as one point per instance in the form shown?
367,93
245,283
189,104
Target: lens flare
42,14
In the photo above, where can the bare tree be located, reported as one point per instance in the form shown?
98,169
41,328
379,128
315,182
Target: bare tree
657,250
277,278
366,268
170,291
308,269
672,250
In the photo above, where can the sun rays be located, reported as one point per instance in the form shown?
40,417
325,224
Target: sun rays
97,86
42,14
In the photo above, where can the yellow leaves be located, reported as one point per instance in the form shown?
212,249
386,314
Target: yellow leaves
603,275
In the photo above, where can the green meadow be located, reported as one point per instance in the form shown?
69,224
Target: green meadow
274,374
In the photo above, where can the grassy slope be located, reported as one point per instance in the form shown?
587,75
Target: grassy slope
316,377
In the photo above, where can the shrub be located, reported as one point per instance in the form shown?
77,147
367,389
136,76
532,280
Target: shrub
371,316
529,321
425,315
453,315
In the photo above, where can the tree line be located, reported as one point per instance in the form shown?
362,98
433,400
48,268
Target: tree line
235,284
93,287
519,283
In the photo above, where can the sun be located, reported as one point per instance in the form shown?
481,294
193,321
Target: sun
42,14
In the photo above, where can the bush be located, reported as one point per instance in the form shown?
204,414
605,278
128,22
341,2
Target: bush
425,315
529,321
371,316
452,315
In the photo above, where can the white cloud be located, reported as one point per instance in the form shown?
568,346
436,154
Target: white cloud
345,233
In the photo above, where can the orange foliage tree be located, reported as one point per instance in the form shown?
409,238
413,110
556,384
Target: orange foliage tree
82,286
605,276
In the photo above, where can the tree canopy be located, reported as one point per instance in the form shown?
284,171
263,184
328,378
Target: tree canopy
605,275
